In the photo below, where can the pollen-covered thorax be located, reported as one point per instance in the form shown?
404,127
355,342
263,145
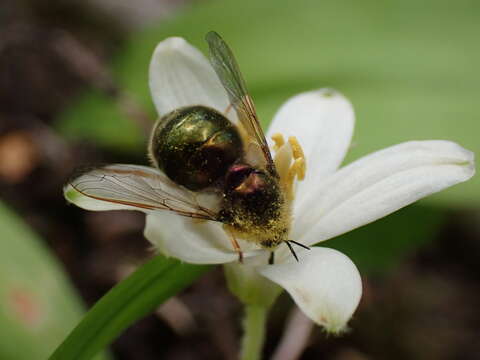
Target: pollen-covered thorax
257,204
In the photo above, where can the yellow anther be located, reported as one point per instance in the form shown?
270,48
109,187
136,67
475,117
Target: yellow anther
279,140
300,161
296,148
296,171
300,168
290,162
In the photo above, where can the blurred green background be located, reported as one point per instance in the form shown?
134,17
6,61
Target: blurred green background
74,87
410,68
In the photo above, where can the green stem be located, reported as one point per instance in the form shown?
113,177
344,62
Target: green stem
253,332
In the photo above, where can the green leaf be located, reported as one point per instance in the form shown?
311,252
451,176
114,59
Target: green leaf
410,68
127,302
38,307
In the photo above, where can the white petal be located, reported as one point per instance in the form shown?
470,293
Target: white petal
189,240
379,184
324,283
323,122
180,75
88,203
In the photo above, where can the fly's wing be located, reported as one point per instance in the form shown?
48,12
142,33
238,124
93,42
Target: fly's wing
227,69
140,187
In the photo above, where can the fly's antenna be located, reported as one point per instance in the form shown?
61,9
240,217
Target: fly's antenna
290,247
299,244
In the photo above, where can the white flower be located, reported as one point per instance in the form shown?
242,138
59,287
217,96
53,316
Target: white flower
324,283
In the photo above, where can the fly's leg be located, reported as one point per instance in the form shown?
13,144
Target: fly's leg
271,259
236,246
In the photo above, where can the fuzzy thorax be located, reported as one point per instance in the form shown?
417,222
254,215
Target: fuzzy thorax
267,222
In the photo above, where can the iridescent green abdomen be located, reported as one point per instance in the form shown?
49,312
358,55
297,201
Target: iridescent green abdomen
194,146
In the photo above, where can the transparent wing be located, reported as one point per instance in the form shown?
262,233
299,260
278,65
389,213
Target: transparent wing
141,187
227,69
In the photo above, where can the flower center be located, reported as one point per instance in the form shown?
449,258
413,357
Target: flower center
290,163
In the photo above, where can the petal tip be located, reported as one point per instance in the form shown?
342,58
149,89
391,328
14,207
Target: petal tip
180,75
336,98
470,162
466,159
70,194
325,285
171,43
332,326
328,92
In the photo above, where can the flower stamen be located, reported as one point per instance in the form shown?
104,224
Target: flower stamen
300,164
289,161
279,141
